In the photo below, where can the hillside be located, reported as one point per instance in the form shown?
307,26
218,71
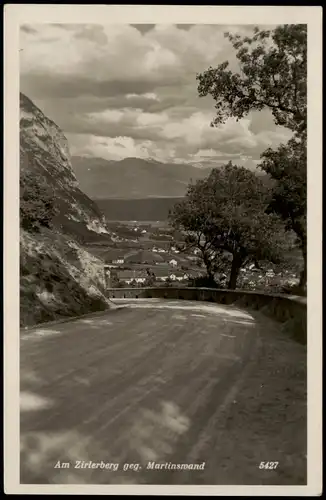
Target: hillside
45,159
58,277
133,177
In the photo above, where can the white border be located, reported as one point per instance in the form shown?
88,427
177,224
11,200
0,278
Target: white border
15,15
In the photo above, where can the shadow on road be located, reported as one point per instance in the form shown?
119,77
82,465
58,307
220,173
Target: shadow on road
151,385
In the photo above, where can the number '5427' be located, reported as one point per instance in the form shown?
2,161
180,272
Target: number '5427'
268,465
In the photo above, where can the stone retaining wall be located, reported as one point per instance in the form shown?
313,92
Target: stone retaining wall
289,310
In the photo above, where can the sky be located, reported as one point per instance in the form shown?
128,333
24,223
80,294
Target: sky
126,90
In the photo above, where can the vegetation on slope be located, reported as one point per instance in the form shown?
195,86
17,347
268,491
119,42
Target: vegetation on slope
58,278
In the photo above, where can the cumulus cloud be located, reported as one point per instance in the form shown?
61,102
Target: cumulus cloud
131,90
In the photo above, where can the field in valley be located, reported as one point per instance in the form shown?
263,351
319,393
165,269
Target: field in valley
142,209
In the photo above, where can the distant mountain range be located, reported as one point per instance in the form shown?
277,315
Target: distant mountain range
136,178
133,177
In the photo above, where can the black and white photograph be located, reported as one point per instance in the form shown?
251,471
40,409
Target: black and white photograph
164,251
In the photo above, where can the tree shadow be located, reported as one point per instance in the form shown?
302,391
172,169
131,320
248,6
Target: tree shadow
132,388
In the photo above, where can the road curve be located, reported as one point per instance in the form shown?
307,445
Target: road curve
163,383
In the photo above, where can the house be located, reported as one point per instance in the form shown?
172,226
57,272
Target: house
179,276
120,260
252,267
173,263
114,256
158,250
270,273
161,274
140,279
130,276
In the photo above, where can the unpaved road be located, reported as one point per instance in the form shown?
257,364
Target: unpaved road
171,382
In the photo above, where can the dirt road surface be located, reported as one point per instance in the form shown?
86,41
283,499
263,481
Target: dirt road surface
163,383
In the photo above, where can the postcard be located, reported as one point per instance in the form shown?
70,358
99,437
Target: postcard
162,238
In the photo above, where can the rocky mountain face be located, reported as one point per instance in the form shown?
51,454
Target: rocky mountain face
133,177
58,277
44,154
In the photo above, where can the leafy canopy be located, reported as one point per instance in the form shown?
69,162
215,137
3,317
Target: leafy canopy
271,73
272,69
288,165
226,212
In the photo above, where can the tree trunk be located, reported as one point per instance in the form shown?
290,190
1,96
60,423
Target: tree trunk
235,269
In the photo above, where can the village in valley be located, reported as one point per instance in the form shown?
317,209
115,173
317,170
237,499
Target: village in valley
150,253
146,254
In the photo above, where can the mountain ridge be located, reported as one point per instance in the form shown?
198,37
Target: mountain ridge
133,177
137,178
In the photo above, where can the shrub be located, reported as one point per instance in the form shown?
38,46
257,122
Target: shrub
37,203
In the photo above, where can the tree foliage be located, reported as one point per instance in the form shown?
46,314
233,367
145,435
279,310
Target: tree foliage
272,74
226,214
37,203
150,278
288,165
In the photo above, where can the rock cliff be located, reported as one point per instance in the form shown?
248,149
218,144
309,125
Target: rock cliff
58,278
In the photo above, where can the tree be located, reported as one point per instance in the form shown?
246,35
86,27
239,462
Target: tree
188,216
150,278
168,282
226,214
289,198
116,282
272,74
37,203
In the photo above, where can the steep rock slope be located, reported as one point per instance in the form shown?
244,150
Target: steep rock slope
58,278
44,154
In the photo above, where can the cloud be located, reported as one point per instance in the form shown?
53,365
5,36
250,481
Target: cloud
131,90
